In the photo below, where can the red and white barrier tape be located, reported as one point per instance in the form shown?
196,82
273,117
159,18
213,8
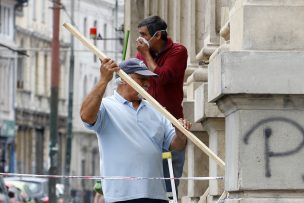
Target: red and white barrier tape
108,177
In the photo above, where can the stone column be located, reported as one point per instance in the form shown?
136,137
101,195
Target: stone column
196,163
258,84
216,131
206,113
213,122
134,14
188,34
211,37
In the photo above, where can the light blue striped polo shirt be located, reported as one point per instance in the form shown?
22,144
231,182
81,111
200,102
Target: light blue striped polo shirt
131,142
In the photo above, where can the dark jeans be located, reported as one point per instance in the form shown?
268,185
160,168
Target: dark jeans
178,159
144,200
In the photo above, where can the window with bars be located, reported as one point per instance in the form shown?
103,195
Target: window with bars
20,67
37,75
95,41
20,72
34,10
85,26
83,171
105,36
6,67
46,76
85,86
43,10
39,151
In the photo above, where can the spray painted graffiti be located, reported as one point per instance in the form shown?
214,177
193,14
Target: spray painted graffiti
268,133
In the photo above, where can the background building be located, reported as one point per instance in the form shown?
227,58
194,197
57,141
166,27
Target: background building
107,17
8,65
34,35
25,83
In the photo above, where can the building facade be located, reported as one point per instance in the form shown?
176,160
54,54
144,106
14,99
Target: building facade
34,36
243,89
25,71
8,66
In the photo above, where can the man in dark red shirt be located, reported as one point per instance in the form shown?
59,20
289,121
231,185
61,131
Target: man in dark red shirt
169,60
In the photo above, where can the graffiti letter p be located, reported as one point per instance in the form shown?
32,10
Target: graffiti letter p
267,135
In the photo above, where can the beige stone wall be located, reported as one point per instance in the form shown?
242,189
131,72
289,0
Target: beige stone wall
248,80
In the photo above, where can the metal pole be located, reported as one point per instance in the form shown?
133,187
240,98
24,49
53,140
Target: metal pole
125,46
116,26
54,102
70,113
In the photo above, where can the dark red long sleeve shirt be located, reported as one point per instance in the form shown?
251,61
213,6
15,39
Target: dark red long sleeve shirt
167,89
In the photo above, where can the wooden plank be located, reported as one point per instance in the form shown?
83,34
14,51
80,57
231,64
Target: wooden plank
203,198
222,197
147,96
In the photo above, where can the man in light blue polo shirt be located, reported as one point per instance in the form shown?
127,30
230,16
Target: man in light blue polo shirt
131,135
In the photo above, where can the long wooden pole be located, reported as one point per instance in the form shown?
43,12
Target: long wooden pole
146,95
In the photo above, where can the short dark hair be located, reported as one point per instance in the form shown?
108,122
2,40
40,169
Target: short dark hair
154,24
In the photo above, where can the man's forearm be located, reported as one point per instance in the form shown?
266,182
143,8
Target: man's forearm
179,141
91,103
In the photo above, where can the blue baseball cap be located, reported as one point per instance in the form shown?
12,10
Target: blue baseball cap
134,65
